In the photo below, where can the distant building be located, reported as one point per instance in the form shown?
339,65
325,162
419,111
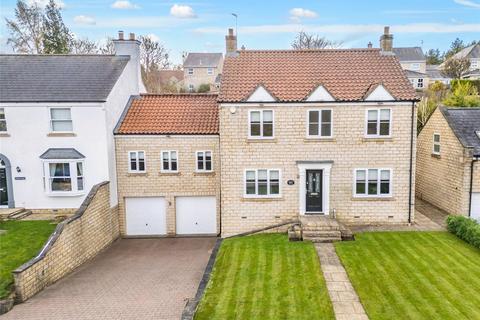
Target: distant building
414,63
473,54
170,80
202,68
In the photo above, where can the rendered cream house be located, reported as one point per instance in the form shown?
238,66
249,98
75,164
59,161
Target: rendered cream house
300,133
57,115
448,167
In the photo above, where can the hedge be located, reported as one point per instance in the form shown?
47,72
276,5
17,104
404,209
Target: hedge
475,83
465,228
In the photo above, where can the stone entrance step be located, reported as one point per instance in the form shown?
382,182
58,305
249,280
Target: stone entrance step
323,229
19,214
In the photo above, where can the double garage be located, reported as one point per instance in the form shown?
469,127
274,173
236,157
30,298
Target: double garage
147,216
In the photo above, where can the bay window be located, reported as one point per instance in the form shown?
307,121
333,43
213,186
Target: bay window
64,177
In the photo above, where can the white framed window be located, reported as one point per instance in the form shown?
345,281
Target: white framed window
204,161
260,124
61,120
190,71
320,123
372,183
262,183
378,123
64,177
474,64
436,143
420,83
3,121
415,66
191,88
210,71
169,161
136,161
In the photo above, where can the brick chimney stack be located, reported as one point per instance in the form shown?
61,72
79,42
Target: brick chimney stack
386,41
231,43
370,45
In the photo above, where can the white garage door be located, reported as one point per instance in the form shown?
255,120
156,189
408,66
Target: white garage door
146,216
476,206
196,215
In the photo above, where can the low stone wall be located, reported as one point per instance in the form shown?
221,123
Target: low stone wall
75,240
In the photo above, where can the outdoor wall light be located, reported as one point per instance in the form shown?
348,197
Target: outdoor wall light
18,169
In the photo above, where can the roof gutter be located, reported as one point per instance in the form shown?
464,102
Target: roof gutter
410,187
470,205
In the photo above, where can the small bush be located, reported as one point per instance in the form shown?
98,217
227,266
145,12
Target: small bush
465,228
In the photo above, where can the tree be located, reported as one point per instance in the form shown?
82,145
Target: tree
305,40
107,48
464,94
434,56
456,46
425,109
26,31
153,56
56,36
455,68
83,46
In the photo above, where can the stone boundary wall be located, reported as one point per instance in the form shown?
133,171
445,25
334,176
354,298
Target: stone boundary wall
75,240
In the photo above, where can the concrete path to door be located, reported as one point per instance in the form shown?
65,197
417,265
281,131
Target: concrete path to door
133,279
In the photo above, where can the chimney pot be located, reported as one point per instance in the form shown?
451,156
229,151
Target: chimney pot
230,31
120,35
132,36
370,45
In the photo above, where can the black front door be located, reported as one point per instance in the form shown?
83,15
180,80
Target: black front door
314,191
3,185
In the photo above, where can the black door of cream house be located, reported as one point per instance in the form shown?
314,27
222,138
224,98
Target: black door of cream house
3,185
314,191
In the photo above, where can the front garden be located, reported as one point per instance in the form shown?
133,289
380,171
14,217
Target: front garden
20,241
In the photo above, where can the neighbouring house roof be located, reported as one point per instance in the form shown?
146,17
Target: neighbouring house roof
59,78
291,75
188,113
435,72
195,59
415,74
167,76
470,52
61,153
465,122
472,73
409,54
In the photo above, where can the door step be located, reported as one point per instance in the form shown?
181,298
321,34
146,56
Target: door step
323,229
19,214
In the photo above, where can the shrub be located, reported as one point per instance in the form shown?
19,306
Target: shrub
465,228
204,87
454,83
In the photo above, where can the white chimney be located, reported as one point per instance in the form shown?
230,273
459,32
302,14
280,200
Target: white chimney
130,47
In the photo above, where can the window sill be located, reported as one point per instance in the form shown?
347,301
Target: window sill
262,199
169,173
261,140
377,139
132,174
4,134
319,139
61,134
204,173
435,155
373,198
65,194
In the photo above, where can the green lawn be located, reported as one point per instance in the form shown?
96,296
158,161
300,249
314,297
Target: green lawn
414,275
22,241
266,277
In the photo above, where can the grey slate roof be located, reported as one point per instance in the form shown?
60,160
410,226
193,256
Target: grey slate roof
434,72
409,54
469,52
195,59
61,153
465,122
414,74
59,78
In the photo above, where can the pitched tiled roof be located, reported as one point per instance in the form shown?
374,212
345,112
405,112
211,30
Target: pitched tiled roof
290,75
465,123
59,78
189,113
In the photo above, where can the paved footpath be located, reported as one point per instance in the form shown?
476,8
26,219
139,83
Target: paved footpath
346,303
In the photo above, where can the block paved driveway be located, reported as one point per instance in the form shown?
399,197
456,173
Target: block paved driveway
134,279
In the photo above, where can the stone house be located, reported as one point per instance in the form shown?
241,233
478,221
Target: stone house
57,115
292,133
202,68
448,171
168,165
472,53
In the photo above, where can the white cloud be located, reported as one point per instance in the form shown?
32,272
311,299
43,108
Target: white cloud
43,3
153,37
183,12
468,3
124,4
81,19
296,14
350,28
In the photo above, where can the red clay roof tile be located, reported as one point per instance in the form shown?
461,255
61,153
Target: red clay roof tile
171,114
290,75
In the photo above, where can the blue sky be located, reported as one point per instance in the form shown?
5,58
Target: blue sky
201,25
